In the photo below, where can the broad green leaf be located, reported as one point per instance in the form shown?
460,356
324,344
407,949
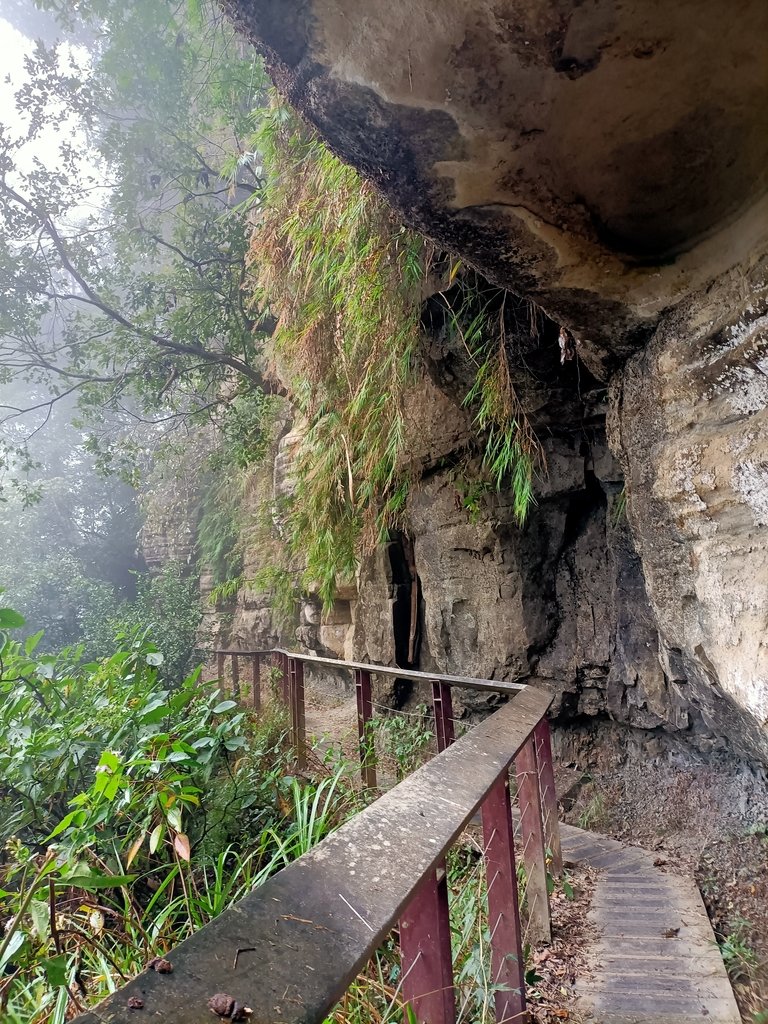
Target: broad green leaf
225,705
39,912
235,743
89,882
180,700
56,969
135,847
15,943
9,619
155,837
155,711
110,760
31,642
113,785
174,818
76,817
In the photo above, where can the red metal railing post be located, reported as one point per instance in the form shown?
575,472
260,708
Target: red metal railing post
534,855
364,718
256,682
286,690
443,708
507,966
285,681
220,666
235,677
548,795
298,714
425,952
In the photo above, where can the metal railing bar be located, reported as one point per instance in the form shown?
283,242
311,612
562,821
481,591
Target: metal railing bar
468,682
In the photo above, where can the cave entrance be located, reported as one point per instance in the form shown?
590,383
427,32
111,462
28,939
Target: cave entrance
407,612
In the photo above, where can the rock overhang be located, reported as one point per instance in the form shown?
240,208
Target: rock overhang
604,159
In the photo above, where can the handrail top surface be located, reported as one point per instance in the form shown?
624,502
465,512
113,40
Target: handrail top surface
291,948
468,682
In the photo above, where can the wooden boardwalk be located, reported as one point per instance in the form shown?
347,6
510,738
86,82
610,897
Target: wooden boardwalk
655,959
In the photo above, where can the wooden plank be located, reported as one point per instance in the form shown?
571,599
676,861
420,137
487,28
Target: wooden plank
256,682
235,677
308,931
299,712
366,740
443,711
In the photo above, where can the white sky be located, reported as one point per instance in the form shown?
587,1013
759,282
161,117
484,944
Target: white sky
14,47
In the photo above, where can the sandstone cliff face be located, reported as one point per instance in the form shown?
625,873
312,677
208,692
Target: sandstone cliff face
690,423
609,162
561,601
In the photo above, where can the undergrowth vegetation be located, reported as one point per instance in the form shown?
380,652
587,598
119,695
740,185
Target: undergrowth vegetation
166,605
134,811
219,527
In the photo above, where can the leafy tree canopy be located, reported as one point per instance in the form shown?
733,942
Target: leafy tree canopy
121,266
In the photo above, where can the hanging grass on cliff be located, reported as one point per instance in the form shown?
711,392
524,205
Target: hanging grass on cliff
345,283
344,278
512,453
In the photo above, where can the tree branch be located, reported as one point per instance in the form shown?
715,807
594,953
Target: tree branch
168,344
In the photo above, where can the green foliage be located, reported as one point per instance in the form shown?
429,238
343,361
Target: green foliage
511,452
738,955
345,282
220,524
226,590
112,733
246,431
471,490
316,810
248,797
619,510
470,934
56,592
153,796
594,811
149,793
280,584
345,279
246,435
166,608
405,739
73,550
374,996
123,266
